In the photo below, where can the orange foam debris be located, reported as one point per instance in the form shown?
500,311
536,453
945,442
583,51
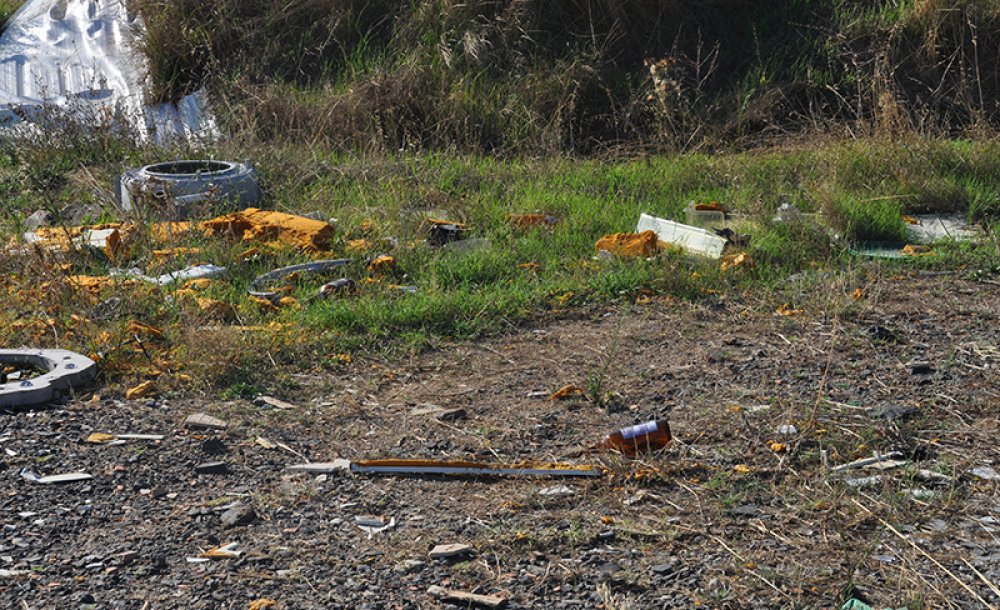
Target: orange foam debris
629,244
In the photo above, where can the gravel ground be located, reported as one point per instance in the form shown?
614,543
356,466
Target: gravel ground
741,511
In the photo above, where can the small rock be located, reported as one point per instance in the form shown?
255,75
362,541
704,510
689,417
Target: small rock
746,510
445,551
201,421
213,446
788,430
238,515
882,334
40,218
893,412
986,473
556,491
212,468
451,415
662,568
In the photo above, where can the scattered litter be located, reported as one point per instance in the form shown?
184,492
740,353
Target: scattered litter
490,601
340,465
262,603
212,468
864,481
101,438
265,443
63,370
223,551
705,215
275,229
929,228
71,477
787,310
271,401
777,447
556,491
189,188
648,436
441,232
144,389
930,476
693,239
566,392
629,245
194,272
82,60
864,462
382,264
458,467
341,287
638,497
985,473
257,289
735,261
788,430
916,250
374,525
446,551
201,421
919,493
529,221
108,240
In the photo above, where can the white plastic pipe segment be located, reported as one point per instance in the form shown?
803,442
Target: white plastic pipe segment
83,57
63,370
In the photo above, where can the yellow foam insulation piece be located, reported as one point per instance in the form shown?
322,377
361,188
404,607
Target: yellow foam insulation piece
629,244
273,228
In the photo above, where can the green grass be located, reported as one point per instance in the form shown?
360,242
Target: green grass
859,190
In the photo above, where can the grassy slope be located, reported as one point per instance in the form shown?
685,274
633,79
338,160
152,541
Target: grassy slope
863,188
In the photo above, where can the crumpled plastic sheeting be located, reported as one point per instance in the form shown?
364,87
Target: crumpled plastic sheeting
84,57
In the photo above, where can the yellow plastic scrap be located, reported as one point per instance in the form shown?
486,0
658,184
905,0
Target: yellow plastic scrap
289,302
786,310
858,294
916,250
273,228
262,603
777,447
742,469
200,283
629,245
169,253
734,261
215,309
146,388
169,232
264,304
382,264
566,392
910,220
358,245
529,221
134,327
92,283
99,438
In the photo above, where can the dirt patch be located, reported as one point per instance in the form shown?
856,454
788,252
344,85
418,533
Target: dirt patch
741,511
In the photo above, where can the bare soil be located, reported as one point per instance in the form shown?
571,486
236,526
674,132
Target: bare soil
739,512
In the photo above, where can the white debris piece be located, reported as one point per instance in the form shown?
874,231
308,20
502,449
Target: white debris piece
70,477
693,239
84,57
985,473
374,525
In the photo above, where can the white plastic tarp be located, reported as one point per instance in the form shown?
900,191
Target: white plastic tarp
83,56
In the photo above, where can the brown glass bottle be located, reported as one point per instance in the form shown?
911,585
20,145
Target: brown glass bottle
649,436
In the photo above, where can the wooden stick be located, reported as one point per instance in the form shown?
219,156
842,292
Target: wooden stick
491,601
